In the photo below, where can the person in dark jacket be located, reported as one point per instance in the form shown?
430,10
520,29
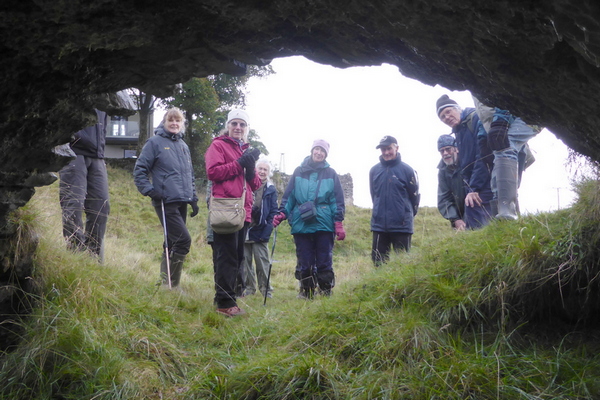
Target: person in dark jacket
474,166
230,166
314,204
84,187
451,191
395,193
264,209
164,173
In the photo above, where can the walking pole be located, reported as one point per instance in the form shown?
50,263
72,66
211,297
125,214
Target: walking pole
162,204
270,265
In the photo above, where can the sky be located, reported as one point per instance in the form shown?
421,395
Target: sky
354,108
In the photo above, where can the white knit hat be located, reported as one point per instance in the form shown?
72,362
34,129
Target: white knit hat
238,114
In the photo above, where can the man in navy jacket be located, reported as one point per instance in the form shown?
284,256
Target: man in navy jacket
395,194
474,167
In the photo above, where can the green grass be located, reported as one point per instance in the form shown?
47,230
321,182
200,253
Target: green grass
507,312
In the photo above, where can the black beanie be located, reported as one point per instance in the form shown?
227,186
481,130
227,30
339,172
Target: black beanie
444,102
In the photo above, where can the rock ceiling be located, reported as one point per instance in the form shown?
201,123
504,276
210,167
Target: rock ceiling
538,59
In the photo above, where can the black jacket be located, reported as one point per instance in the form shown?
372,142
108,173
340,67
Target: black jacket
90,142
451,192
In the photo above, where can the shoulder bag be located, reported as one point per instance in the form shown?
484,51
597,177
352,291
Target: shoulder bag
227,215
308,210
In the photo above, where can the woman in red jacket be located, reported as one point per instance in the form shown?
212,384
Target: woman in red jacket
230,167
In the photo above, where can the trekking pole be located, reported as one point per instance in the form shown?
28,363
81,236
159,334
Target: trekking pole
270,266
162,204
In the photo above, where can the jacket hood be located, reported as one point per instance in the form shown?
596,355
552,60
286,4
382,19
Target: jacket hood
229,139
309,165
390,163
160,130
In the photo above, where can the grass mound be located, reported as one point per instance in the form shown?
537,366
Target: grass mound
507,312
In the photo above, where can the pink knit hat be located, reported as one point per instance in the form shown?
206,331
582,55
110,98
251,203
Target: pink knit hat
320,143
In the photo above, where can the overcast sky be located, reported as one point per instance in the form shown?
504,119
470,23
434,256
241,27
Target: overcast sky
354,108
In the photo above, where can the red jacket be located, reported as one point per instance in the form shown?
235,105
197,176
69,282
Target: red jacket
226,174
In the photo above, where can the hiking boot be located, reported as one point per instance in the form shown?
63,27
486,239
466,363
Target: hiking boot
306,294
231,311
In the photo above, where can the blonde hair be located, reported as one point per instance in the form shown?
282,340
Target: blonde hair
173,112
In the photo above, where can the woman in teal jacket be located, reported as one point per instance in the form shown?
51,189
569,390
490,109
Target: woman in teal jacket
316,187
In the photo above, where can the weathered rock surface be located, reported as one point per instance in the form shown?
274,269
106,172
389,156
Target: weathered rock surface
538,59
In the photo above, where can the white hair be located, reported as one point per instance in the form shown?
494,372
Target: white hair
264,160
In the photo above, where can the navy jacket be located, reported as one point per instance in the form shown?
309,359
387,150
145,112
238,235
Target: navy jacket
395,194
166,158
475,170
261,232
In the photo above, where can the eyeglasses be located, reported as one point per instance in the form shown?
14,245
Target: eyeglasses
241,124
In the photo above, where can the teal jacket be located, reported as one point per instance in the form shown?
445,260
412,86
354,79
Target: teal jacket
302,187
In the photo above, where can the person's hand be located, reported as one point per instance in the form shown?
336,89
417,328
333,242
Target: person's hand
154,195
195,208
340,233
278,218
473,199
498,135
460,225
248,159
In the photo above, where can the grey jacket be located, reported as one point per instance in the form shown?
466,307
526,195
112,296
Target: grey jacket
165,165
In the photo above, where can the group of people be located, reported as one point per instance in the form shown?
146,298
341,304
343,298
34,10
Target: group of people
479,172
482,163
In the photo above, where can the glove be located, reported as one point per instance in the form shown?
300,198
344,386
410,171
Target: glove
154,195
278,218
498,135
250,174
248,159
195,208
340,233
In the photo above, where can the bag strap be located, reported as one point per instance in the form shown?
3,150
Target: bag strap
243,192
318,185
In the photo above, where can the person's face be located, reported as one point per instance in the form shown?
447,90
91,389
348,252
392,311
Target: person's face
450,116
449,154
237,128
389,152
263,171
173,124
318,154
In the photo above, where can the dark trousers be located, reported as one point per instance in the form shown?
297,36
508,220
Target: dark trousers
228,255
383,241
314,252
479,216
84,188
178,237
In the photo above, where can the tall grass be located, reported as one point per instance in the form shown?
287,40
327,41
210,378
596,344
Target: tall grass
507,312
